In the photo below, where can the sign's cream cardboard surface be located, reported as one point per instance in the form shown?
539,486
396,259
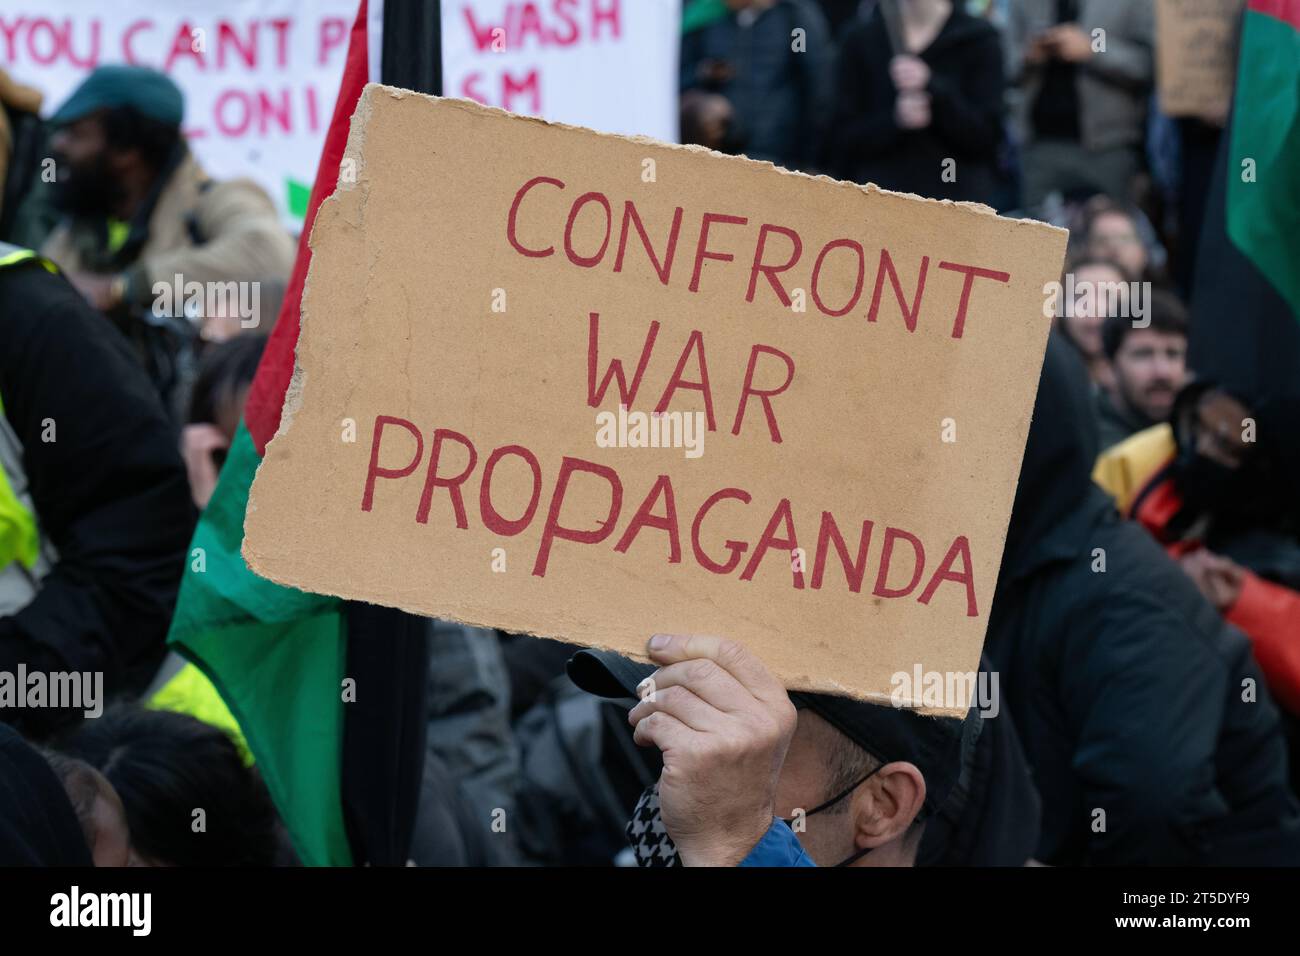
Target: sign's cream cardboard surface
1196,56
498,307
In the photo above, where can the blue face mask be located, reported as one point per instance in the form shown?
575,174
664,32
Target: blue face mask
830,803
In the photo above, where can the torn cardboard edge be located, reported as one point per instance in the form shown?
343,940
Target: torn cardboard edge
353,152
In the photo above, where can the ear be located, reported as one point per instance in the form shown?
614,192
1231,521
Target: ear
885,807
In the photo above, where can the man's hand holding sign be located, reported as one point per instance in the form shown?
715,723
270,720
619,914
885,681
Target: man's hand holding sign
517,324
724,724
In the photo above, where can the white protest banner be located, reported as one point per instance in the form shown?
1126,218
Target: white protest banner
610,65
259,76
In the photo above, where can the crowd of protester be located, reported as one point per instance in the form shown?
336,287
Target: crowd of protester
1149,713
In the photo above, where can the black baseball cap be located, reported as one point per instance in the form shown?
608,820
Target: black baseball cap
932,744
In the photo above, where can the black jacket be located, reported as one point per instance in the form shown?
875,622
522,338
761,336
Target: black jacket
781,96
966,84
38,826
110,491
1126,686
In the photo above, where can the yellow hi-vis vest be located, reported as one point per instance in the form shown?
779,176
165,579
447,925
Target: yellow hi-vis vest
25,559
20,537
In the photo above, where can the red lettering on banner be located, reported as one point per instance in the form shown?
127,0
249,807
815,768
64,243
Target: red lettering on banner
375,471
227,39
909,311
280,27
553,530
770,271
128,37
626,394
513,219
664,269
971,273
536,26
694,343
764,395
333,34
531,85
183,45
778,535
737,548
433,480
645,517
769,540
960,549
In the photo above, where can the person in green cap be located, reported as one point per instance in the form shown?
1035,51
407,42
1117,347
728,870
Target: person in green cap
138,209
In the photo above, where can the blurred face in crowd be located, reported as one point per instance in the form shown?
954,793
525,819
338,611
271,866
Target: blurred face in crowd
87,181
1150,368
878,813
1088,315
1220,430
1114,236
110,838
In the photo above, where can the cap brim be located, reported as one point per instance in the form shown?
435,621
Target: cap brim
607,674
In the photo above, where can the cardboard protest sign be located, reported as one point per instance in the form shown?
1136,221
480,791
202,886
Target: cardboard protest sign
1196,56
594,388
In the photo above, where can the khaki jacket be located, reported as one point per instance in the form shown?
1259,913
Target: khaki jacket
201,229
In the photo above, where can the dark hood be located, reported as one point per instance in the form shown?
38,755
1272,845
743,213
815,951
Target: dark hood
1056,472
38,826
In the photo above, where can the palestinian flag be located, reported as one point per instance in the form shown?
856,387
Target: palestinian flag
1263,211
1246,293
344,775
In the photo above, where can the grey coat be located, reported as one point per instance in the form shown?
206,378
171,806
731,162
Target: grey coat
1114,85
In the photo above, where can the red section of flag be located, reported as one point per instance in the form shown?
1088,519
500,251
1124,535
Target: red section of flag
266,395
1288,11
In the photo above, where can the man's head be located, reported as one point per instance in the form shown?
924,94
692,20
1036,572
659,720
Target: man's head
121,126
860,801
857,780
98,807
1150,363
1111,232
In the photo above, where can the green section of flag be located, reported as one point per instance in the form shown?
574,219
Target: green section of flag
277,656
700,13
299,197
1263,212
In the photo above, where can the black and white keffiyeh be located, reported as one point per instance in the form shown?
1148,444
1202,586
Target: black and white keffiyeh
645,832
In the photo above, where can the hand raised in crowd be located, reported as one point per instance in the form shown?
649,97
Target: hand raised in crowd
198,443
909,73
1069,42
1218,578
1038,50
912,110
724,724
